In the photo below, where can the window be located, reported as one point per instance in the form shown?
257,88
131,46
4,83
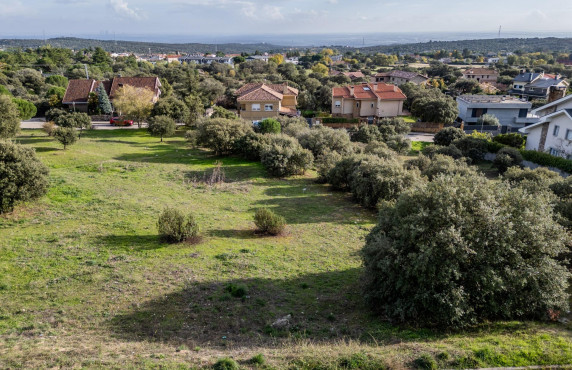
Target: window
338,103
556,130
366,89
268,107
357,105
568,134
372,105
523,113
256,107
478,112
554,152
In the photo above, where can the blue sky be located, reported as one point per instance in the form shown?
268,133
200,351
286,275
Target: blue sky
227,17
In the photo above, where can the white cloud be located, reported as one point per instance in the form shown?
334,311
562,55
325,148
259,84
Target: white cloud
14,8
122,8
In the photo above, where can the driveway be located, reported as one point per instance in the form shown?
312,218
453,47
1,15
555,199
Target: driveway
96,125
420,136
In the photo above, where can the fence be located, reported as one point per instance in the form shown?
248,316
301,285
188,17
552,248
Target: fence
427,127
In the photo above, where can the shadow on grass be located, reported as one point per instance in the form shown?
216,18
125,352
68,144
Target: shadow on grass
235,234
43,149
131,242
26,140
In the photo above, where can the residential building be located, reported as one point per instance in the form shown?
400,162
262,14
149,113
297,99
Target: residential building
77,92
264,58
352,75
337,58
510,111
368,101
397,77
199,59
258,101
552,134
557,105
481,74
532,85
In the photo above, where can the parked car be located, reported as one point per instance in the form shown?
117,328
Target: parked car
120,121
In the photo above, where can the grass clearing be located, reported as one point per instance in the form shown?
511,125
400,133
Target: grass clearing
86,282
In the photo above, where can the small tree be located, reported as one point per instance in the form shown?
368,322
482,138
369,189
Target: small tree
103,100
27,109
135,103
174,227
284,156
439,110
220,134
447,135
9,118
196,109
171,107
66,136
507,157
488,120
269,126
23,176
268,222
162,126
367,134
74,120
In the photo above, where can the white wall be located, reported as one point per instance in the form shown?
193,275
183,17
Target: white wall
555,142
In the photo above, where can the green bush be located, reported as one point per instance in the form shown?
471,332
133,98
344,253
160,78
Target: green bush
319,139
171,107
538,179
250,145
226,363
324,164
425,361
420,163
340,176
446,165
399,125
507,157
162,126
268,222
515,140
66,136
54,113
440,255
9,118
380,149
237,291
399,143
446,136
23,176
366,134
283,156
257,359
27,109
451,151
174,227
494,147
545,159
488,120
220,134
471,147
269,126
338,120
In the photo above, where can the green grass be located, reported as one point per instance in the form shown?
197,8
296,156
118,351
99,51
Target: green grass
417,147
86,282
409,119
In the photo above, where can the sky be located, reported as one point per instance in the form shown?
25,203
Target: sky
217,18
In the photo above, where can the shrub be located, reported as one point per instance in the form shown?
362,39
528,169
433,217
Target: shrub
398,143
507,157
250,145
442,164
377,179
49,128
9,118
480,135
447,135
421,163
321,138
471,147
269,126
488,120
162,126
23,176
54,113
268,222
226,363
451,151
284,156
399,125
440,256
220,134
366,134
538,179
338,120
340,176
514,140
220,112
425,361
74,120
494,147
27,109
380,149
171,107
324,164
66,136
257,359
174,227
545,159
237,291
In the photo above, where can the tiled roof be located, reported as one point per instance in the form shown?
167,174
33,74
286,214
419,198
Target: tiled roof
544,83
480,71
399,74
288,111
151,83
527,77
262,93
78,91
369,91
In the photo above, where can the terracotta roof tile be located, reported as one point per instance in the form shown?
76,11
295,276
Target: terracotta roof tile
151,83
480,71
78,91
370,91
263,93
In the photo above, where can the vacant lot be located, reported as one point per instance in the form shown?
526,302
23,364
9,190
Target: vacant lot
85,280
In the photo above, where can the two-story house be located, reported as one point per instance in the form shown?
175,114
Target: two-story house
532,85
367,101
199,59
77,92
510,111
258,101
397,77
553,131
481,74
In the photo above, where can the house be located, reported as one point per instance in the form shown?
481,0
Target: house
264,58
368,101
552,134
77,92
258,101
510,111
532,85
202,60
337,58
399,77
560,104
481,74
352,75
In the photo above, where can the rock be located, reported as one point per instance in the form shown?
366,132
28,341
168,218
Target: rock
282,323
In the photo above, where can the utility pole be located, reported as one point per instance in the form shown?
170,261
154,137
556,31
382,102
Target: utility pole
500,28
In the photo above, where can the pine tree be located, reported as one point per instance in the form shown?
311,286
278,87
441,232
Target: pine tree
104,103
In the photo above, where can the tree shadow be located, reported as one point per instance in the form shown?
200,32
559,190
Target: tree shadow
131,242
30,139
119,141
43,149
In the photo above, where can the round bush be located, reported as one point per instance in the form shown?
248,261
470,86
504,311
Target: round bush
321,138
463,249
162,126
399,143
269,126
22,176
420,163
268,222
380,149
9,118
340,176
471,147
451,151
507,157
284,156
514,140
175,227
399,125
226,363
250,145
219,134
367,134
324,164
447,135
446,165
66,136
537,179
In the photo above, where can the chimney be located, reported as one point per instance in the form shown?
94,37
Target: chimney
351,90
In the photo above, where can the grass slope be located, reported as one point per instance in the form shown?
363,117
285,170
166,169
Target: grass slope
86,282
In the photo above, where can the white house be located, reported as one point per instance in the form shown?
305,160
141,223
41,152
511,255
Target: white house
552,134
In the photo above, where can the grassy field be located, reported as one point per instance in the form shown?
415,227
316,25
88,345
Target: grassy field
86,282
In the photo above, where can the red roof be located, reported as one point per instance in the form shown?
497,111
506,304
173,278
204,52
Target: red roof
261,91
78,91
369,91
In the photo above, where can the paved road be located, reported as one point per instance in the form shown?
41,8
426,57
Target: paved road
97,125
420,136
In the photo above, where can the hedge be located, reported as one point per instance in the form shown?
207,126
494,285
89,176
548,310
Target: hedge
545,159
339,120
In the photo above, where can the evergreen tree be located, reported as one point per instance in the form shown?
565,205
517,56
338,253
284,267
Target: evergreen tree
104,103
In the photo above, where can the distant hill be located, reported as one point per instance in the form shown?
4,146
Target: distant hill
140,47
482,45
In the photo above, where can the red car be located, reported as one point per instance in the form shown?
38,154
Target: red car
120,121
